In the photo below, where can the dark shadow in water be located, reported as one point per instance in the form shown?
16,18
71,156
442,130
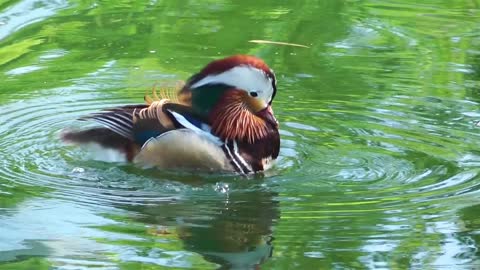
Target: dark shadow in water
233,230
469,235
473,91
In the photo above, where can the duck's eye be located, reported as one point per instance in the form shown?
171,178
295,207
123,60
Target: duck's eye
254,94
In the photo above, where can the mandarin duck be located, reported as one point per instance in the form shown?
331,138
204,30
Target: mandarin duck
221,119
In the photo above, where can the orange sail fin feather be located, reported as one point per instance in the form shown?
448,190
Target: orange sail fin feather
171,92
154,112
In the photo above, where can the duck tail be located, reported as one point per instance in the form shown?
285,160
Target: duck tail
103,137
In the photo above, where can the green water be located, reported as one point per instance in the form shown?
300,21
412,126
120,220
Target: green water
380,159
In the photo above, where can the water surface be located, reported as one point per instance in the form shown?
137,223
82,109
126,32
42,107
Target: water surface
379,166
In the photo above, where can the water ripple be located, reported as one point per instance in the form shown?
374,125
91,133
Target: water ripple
35,156
27,12
395,153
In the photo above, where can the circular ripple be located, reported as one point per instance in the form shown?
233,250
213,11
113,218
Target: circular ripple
375,152
392,153
34,155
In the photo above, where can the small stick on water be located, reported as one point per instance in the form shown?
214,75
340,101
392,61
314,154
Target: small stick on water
277,43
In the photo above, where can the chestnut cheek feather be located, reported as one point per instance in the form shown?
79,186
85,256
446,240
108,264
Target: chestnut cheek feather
231,119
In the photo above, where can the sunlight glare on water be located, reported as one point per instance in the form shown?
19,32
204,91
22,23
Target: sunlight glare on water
379,162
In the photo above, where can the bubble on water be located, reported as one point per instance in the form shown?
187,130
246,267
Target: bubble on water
222,187
78,170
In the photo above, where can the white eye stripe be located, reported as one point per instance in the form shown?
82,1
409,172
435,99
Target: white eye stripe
242,77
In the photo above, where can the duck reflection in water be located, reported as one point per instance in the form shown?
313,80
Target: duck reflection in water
234,232
238,235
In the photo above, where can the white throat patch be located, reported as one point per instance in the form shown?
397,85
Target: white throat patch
242,77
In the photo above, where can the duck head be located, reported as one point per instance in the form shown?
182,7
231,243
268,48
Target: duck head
235,95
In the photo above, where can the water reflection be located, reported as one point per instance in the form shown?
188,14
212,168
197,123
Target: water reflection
234,231
27,12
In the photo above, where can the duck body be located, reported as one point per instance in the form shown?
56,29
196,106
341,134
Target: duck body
220,120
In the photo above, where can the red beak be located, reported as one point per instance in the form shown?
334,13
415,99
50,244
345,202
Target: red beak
267,115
